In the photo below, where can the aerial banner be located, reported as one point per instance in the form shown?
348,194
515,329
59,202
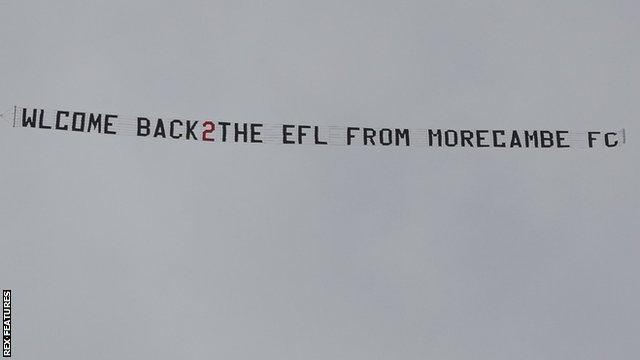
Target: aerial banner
217,131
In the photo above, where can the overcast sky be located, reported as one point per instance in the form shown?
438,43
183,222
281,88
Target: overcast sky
127,248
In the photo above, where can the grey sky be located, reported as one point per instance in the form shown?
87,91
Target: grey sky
122,248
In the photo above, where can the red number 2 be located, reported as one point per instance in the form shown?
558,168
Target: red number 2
209,126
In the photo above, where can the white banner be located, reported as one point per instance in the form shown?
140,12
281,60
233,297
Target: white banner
218,131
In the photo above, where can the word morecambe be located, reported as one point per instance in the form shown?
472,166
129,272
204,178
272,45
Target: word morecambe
234,132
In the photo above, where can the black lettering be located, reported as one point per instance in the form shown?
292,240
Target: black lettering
402,134
317,136
592,137
172,128
609,143
528,137
239,132
301,132
368,134
546,139
350,136
495,138
437,134
144,126
58,115
480,138
224,129
453,138
515,140
286,133
74,121
191,127
560,139
29,121
386,137
41,124
159,131
95,122
255,133
465,137
108,123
